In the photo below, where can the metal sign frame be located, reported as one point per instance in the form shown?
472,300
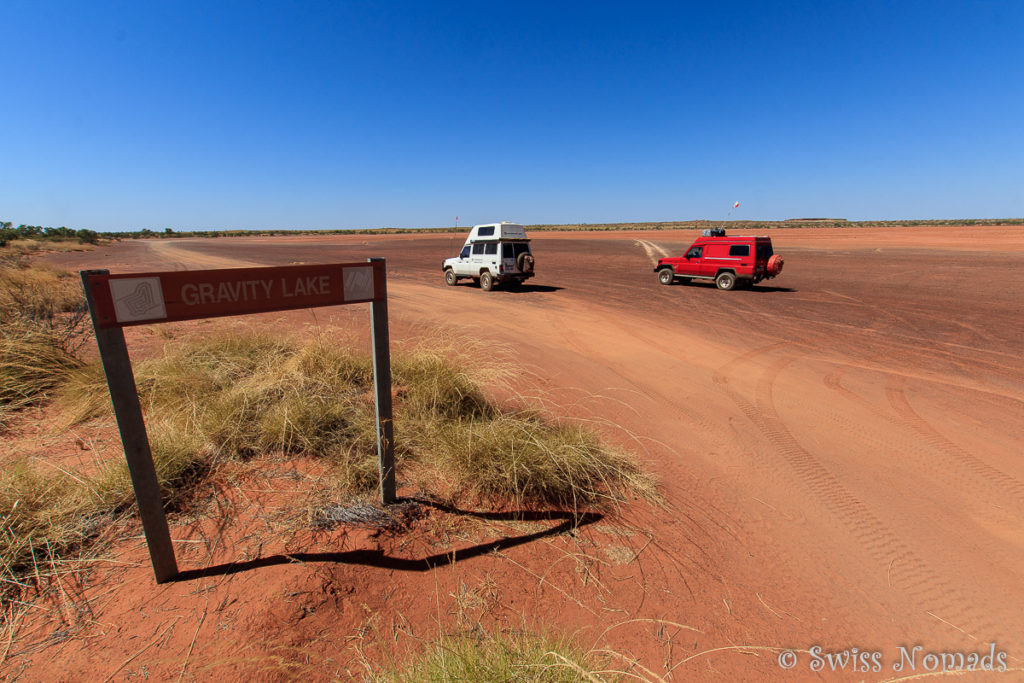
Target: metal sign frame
118,301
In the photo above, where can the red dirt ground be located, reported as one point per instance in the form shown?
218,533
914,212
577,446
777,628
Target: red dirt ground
839,451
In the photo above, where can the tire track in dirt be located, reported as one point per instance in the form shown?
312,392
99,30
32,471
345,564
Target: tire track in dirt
189,260
697,520
653,251
911,320
959,467
903,567
899,402
900,340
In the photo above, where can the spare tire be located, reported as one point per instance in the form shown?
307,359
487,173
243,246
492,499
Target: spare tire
775,265
525,262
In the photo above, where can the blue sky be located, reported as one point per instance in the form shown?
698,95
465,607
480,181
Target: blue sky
200,115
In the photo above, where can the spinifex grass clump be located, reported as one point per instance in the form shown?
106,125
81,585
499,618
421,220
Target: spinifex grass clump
32,362
508,656
233,398
476,448
44,518
37,291
41,311
524,458
239,397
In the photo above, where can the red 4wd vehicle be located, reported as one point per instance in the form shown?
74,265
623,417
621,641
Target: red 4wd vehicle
728,261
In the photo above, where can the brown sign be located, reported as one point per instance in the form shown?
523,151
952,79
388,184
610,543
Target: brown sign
142,298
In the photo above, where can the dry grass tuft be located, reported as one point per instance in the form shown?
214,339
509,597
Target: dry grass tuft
23,247
233,398
32,362
507,656
236,397
523,458
42,518
41,315
37,291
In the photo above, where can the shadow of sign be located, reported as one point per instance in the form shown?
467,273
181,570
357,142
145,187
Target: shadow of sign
377,558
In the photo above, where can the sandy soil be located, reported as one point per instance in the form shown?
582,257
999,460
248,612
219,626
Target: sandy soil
839,451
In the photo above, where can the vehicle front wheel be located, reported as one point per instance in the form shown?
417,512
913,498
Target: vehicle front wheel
725,281
486,281
666,276
449,277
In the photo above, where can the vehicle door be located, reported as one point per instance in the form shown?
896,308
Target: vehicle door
462,265
717,257
491,257
764,252
691,262
508,257
476,259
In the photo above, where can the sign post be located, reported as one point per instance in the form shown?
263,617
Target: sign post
117,366
117,301
382,393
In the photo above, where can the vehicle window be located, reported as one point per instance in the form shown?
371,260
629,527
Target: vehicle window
478,248
739,250
521,248
764,252
487,231
491,248
507,251
465,252
695,252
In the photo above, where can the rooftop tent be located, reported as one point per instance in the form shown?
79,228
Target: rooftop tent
497,231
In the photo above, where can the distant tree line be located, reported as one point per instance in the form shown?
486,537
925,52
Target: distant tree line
35,232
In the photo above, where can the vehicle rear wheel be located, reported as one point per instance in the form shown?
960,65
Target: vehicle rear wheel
449,277
725,281
486,281
666,276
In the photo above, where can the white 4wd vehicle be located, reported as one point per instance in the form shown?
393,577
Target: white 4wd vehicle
494,254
